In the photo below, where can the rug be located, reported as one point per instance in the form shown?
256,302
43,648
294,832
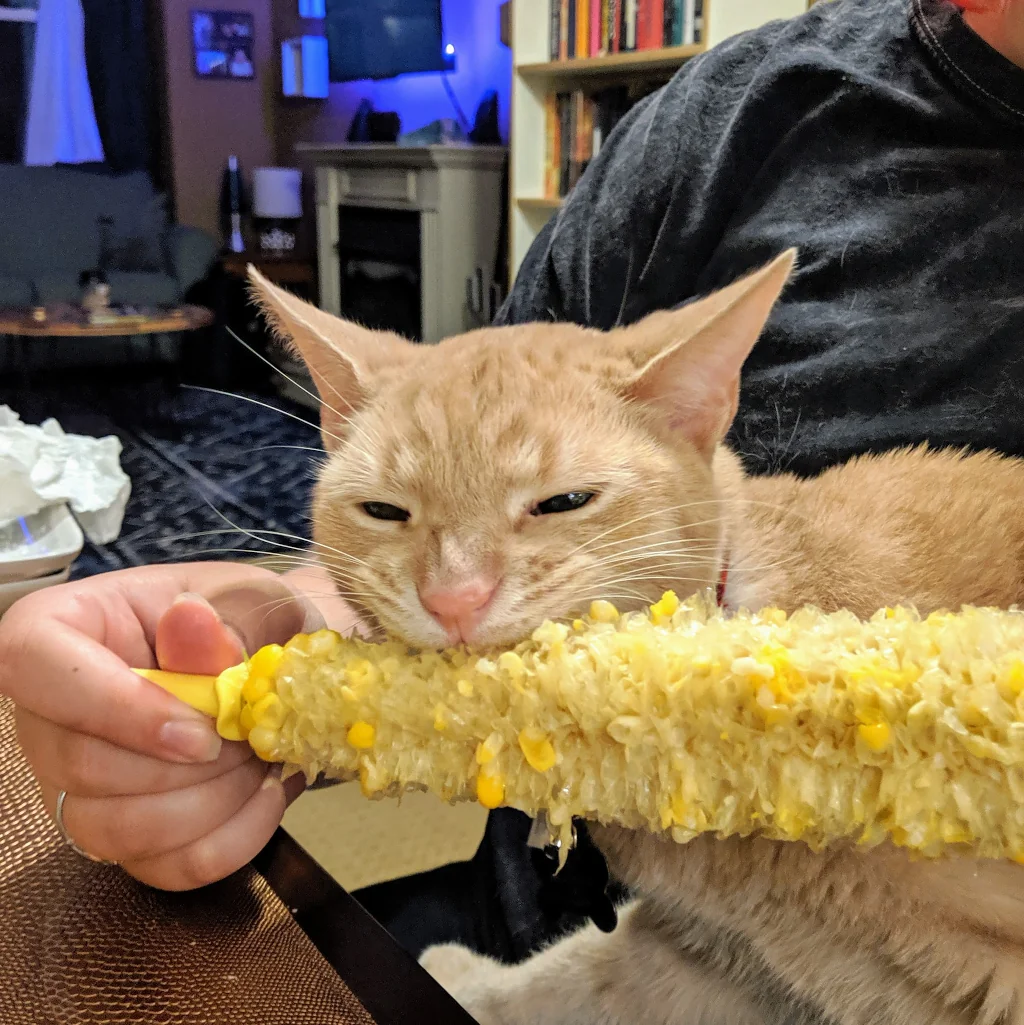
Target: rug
209,472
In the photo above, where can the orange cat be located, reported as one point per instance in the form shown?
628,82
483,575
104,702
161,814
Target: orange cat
510,475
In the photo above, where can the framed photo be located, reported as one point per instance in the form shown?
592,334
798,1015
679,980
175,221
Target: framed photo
222,44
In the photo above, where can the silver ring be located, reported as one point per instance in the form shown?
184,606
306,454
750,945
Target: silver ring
63,830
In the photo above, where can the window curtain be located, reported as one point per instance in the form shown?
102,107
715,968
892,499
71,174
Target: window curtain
61,119
120,59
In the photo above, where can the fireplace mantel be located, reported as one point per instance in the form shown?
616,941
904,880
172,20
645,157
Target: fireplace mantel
456,191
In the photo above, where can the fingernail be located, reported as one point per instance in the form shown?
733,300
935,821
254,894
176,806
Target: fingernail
272,780
190,596
193,739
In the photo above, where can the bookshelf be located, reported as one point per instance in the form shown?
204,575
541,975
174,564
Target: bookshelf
535,77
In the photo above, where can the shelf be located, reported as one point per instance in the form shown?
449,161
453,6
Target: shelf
635,61
543,203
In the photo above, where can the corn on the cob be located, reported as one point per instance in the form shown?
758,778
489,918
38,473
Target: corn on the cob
679,720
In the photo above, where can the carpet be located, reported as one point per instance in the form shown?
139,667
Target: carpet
199,462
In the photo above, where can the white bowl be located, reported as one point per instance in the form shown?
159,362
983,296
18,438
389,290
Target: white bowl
11,591
39,545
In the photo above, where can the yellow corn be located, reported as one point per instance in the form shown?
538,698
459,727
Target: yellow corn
807,727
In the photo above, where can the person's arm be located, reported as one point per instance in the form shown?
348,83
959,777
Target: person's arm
639,228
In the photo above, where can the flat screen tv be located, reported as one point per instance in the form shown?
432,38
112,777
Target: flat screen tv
384,38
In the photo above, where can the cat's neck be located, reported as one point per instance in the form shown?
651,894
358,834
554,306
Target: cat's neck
765,557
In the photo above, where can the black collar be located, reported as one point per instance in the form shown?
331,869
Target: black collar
967,60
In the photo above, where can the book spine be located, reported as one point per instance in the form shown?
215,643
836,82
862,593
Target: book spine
595,27
698,21
582,28
667,23
615,25
564,148
629,25
556,31
643,27
563,29
552,148
572,28
655,24
678,22
574,136
606,26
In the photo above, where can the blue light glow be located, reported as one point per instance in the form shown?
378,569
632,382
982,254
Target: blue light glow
449,50
29,539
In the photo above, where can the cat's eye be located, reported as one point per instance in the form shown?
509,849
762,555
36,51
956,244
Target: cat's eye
563,503
385,511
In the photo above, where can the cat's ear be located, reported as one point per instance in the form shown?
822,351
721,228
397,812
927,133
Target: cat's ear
341,356
690,359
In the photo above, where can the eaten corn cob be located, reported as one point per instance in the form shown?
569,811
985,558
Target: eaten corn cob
678,720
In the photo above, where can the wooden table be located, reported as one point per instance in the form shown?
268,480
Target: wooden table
281,270
68,321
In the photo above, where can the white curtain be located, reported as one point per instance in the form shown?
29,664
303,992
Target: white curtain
61,119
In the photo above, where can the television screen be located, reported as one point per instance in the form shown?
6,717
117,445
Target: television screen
383,38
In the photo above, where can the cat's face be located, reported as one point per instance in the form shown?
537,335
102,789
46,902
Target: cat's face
480,486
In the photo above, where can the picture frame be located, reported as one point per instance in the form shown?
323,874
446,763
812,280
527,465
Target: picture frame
222,44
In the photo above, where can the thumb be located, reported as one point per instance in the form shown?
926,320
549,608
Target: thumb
192,638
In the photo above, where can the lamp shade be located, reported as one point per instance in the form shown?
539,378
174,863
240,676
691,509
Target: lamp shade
276,192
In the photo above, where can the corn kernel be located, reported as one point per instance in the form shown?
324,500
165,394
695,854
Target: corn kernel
361,736
603,612
666,607
266,661
489,749
269,712
246,722
256,688
465,688
537,749
876,736
490,791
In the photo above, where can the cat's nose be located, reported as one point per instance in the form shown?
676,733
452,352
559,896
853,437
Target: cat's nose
459,608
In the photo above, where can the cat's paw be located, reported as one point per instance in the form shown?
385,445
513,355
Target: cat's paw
473,980
454,966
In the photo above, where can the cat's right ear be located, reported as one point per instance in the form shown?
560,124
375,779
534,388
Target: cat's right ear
341,356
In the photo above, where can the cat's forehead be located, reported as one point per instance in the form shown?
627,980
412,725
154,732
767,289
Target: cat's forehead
499,405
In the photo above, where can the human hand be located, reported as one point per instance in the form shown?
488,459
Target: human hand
150,784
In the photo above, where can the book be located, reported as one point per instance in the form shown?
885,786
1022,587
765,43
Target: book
606,39
689,10
553,145
554,48
651,24
572,28
629,23
563,28
595,27
697,36
614,25
582,28
564,147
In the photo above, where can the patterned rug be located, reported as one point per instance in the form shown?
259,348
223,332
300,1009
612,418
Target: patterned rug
208,471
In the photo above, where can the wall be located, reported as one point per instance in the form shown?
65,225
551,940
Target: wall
211,119
472,26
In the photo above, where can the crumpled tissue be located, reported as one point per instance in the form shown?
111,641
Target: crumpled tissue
43,466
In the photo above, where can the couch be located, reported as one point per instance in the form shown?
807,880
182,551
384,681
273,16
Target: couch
51,224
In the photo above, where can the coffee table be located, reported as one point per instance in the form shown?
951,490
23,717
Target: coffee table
68,321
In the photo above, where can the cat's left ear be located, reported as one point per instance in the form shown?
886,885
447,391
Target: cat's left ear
690,359
342,357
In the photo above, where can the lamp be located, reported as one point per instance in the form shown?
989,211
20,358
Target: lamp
276,206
